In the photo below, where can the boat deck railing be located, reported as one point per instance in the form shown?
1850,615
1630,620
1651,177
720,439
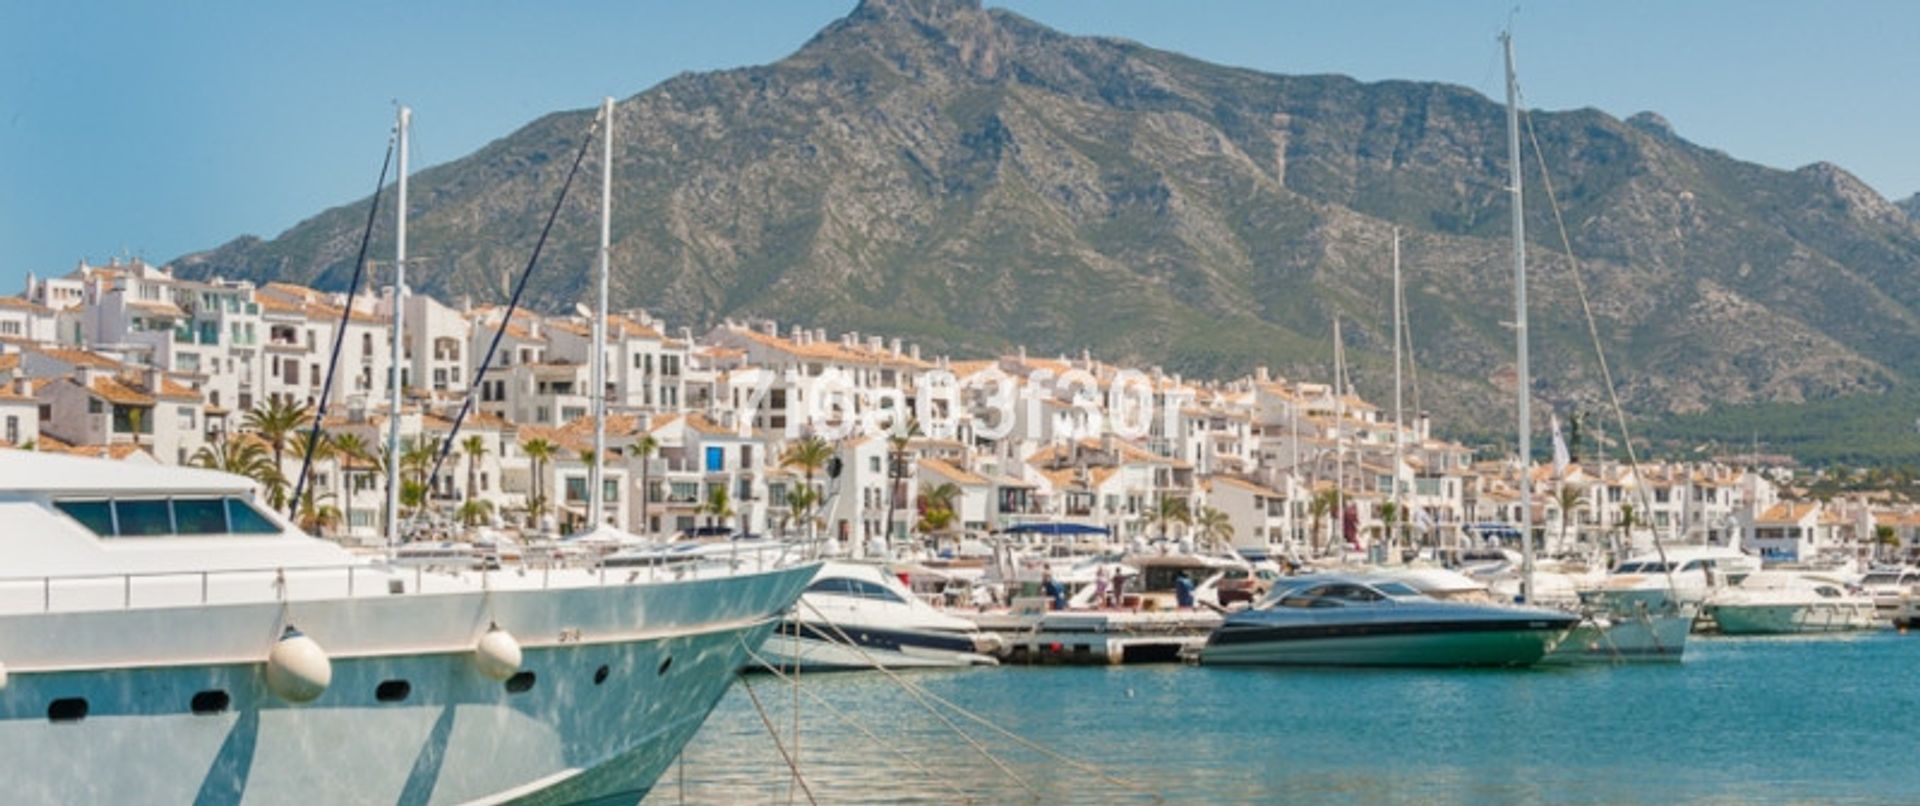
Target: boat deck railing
129,590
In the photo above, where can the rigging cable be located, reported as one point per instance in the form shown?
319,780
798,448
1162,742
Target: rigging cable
1593,332
513,304
340,333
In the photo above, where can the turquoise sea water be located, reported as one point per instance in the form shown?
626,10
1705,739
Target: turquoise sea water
1742,721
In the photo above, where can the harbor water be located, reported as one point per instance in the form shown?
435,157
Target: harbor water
1742,721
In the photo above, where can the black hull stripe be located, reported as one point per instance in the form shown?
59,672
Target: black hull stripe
1231,634
890,640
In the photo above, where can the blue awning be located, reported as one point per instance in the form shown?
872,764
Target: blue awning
1056,529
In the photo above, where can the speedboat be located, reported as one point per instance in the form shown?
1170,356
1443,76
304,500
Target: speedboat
1788,602
857,616
180,643
1366,620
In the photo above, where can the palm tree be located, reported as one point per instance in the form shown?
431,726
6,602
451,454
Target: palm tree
902,434
799,501
539,451
645,447
719,506
809,453
475,447
316,516
1215,528
1569,498
1172,510
276,419
475,512
321,449
1322,505
1389,515
936,507
416,459
1627,522
245,457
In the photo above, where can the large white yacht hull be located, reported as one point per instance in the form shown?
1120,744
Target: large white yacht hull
669,652
1626,639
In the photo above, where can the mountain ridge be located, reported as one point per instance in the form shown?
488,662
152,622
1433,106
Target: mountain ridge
971,179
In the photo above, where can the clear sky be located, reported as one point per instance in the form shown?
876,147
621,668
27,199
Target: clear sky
157,129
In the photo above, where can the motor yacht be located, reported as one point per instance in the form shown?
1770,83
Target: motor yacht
1787,603
855,615
1683,577
166,639
1371,620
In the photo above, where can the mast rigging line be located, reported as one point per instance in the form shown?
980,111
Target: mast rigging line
513,304
1593,333
340,332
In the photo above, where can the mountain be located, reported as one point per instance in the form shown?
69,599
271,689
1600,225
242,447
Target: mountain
1911,206
970,179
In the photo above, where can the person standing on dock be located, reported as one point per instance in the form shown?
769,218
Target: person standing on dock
1183,591
1056,595
1100,587
1119,588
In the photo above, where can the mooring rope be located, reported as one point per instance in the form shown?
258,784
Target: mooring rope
774,734
919,693
850,721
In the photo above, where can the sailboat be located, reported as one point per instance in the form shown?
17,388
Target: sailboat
1613,635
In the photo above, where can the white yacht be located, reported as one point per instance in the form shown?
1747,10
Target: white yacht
1889,587
854,615
165,640
1684,576
1789,602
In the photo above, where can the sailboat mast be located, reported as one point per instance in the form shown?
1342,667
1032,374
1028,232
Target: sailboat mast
1523,383
1399,428
596,488
394,377
1339,435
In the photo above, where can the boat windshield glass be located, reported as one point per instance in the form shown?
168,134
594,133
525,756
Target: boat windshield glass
860,588
1397,589
1335,594
1652,567
164,517
1881,578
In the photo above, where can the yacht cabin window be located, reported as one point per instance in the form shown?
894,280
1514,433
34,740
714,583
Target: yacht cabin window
161,517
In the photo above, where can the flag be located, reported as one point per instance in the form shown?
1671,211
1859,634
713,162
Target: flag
1560,459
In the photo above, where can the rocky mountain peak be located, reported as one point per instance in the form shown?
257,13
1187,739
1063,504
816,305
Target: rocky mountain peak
1859,198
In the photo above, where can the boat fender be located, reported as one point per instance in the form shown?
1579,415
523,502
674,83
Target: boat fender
987,643
497,656
3,677
297,668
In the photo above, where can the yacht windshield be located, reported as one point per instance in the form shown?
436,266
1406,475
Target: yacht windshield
1654,567
1396,589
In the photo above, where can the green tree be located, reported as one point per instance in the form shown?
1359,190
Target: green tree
1214,527
719,505
475,447
540,452
644,447
1171,510
1569,498
809,453
900,436
275,420
1320,507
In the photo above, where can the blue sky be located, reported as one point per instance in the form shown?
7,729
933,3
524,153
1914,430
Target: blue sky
160,128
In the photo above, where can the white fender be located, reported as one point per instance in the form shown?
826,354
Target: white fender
497,656
298,669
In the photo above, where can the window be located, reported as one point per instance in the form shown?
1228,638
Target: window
13,430
392,691
212,701
243,519
67,709
199,516
716,459
520,683
97,516
142,518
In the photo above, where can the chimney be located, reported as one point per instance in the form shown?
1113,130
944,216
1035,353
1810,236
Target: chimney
896,346
1262,375
772,328
23,386
1023,354
876,344
914,350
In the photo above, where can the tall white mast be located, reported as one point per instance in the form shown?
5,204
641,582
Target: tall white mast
595,486
1399,429
1339,435
399,335
1524,381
